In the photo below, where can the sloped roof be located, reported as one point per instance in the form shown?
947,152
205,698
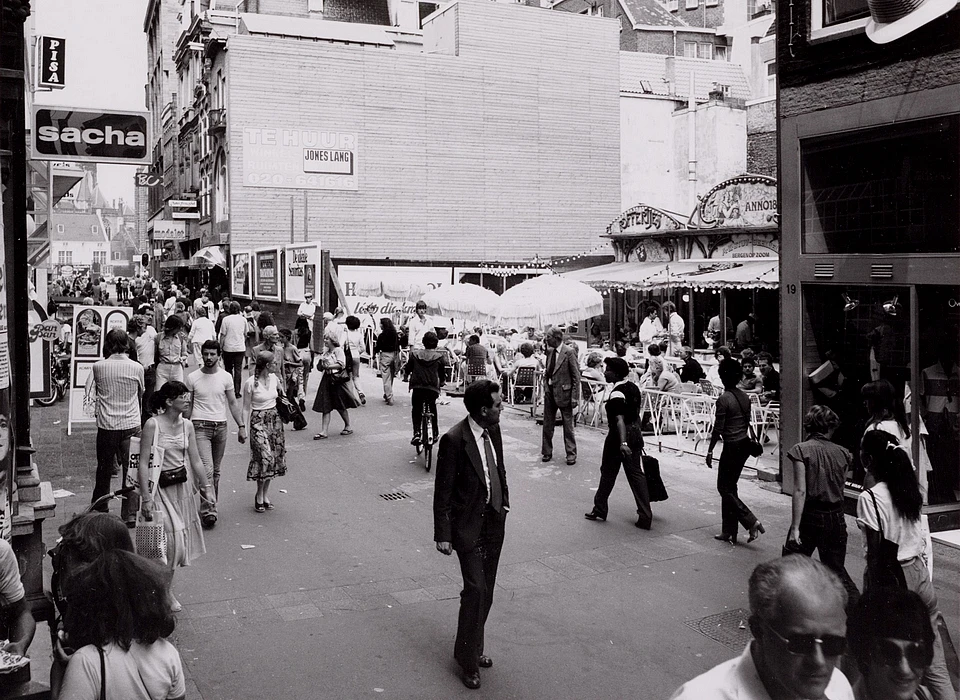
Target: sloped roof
88,192
651,13
641,70
300,28
77,228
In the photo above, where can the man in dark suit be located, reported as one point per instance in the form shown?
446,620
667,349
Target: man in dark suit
470,505
561,390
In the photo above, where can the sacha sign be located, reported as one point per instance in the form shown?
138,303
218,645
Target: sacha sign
61,133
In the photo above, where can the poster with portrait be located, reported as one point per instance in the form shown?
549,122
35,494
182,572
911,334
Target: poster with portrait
266,274
90,326
7,466
300,266
240,275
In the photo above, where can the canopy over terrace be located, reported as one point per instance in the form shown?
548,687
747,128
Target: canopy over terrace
717,262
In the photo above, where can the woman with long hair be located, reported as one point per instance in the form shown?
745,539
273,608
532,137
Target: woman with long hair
268,449
890,510
884,411
332,394
172,352
731,424
117,621
182,475
388,345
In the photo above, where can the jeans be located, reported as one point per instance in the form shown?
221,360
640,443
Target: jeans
478,567
233,363
211,443
826,532
113,451
167,372
420,398
732,509
549,423
149,386
937,678
387,366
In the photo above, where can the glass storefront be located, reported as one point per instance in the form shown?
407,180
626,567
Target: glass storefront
858,334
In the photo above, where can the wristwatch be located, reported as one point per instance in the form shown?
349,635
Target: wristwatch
624,443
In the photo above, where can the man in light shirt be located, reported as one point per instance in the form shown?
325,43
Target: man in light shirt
145,339
418,325
233,341
211,395
203,302
308,308
201,331
799,626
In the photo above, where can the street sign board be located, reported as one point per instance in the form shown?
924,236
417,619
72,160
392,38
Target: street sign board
164,230
148,180
63,133
185,215
182,203
51,52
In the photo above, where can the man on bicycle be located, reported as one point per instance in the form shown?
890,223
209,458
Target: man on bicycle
427,369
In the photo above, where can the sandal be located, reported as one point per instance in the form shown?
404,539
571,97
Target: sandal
346,431
268,505
258,506
320,436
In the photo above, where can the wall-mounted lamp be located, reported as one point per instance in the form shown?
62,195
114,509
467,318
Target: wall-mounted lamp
848,303
892,307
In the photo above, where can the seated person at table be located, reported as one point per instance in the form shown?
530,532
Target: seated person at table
668,381
770,376
713,375
654,367
593,371
474,354
690,371
524,394
751,383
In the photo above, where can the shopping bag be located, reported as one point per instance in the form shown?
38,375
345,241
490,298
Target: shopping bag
133,466
651,469
150,539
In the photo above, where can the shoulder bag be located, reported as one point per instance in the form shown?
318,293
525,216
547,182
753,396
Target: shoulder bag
754,449
651,470
883,567
177,475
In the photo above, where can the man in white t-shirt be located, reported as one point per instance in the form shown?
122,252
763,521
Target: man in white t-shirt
308,308
418,325
233,343
13,603
211,395
201,331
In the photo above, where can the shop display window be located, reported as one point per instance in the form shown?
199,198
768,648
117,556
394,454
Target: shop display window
893,189
859,335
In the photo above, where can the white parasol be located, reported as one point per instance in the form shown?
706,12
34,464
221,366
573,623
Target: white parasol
466,301
547,300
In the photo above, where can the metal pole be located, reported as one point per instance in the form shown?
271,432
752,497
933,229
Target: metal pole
723,317
291,220
306,219
692,142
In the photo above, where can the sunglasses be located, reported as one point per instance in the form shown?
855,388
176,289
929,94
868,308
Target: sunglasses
804,644
890,652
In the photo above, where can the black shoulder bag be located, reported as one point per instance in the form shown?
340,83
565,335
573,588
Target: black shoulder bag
755,449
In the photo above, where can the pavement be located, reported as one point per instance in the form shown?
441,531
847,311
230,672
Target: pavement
340,593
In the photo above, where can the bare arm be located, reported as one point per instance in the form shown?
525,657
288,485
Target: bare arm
147,438
799,498
22,627
193,455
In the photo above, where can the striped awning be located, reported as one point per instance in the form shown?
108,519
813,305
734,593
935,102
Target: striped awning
695,274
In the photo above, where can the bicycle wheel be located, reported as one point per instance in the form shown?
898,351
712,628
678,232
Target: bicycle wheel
426,426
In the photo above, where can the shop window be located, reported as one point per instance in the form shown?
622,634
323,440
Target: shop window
938,391
853,336
892,189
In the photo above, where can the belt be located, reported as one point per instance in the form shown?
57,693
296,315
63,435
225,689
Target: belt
201,422
169,362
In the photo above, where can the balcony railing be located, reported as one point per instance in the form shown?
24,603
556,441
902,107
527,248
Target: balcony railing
218,121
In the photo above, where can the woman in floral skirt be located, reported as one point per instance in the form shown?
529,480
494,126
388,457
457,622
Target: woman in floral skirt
268,452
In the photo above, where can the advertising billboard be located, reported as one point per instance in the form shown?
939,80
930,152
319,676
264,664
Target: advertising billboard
240,275
167,230
90,326
300,270
62,133
266,274
303,159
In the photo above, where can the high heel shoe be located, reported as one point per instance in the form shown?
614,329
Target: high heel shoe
724,537
756,531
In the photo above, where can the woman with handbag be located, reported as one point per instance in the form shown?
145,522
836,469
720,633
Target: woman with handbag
732,425
388,347
117,621
268,449
181,475
334,392
888,513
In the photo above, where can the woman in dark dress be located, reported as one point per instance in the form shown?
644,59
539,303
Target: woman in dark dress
333,394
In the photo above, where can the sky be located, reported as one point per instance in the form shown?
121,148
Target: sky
106,65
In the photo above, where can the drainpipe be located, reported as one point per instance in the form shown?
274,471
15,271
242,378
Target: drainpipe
692,143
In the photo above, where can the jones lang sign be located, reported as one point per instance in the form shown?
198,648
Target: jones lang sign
60,133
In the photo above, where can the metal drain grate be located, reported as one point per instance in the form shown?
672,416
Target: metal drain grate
725,628
394,496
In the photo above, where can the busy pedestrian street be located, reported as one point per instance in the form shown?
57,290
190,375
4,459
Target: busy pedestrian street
340,593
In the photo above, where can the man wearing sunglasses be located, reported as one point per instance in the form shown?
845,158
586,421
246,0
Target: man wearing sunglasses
798,621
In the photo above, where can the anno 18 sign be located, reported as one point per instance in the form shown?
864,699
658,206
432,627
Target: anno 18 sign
61,133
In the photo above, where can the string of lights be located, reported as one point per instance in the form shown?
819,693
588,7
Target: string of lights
501,270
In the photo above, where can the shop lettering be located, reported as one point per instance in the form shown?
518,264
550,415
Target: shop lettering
295,271
301,257
47,330
329,140
94,137
648,218
314,155
762,205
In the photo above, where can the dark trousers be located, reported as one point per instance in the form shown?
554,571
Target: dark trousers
479,569
610,464
826,532
732,509
418,399
113,452
149,386
233,363
549,419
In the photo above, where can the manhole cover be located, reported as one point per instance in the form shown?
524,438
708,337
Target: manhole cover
394,496
725,628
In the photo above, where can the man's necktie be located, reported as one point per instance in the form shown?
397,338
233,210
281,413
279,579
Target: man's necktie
496,492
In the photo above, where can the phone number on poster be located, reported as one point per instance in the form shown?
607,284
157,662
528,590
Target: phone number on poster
322,182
